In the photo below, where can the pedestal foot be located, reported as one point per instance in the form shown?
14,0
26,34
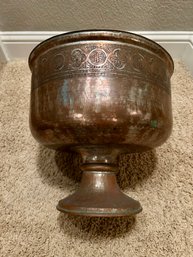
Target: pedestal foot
99,195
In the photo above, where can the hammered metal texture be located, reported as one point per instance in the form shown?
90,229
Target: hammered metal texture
100,93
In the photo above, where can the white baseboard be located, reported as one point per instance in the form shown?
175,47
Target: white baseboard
18,44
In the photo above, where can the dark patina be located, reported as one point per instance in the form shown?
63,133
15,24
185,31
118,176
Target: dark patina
100,93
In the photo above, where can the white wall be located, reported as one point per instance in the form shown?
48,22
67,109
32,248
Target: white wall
64,15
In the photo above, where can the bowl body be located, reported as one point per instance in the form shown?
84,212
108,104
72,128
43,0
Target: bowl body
100,88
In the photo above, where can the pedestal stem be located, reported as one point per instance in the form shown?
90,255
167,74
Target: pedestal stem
99,193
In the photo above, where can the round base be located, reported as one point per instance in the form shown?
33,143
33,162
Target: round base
99,196
70,206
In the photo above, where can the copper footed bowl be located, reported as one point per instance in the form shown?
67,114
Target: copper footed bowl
100,93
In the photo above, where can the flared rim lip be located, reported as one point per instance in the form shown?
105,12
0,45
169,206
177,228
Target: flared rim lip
117,35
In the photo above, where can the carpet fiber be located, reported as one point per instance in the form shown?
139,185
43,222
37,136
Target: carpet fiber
33,179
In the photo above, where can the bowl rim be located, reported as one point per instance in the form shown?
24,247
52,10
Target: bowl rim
102,34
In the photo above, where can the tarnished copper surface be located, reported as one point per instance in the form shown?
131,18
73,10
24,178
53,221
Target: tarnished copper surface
100,93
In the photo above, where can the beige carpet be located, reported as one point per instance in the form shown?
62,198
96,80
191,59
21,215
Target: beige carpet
33,179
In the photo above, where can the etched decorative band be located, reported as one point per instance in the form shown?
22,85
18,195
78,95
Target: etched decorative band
95,61
96,58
